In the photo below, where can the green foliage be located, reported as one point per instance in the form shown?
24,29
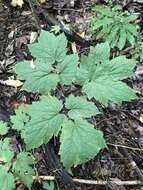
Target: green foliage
42,126
3,128
43,75
23,170
6,156
45,122
10,170
113,25
137,50
56,29
6,179
6,153
38,78
80,108
98,77
101,77
48,53
48,185
80,141
19,119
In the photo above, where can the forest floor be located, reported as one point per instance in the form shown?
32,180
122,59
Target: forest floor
122,125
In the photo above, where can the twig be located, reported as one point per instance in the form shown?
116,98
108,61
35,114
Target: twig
52,162
92,182
123,146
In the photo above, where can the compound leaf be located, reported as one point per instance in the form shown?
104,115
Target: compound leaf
102,80
112,24
23,168
6,179
45,121
80,108
80,141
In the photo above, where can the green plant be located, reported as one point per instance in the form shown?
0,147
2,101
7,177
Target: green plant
111,24
3,128
48,185
19,120
13,168
56,28
137,50
98,78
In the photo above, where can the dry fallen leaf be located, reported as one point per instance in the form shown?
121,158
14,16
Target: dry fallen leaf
13,83
73,46
141,118
42,1
15,3
82,34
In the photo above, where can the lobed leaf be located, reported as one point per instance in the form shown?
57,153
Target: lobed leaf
52,65
38,77
79,142
80,108
50,48
45,122
102,80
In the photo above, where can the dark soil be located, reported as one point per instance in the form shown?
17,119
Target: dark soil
121,125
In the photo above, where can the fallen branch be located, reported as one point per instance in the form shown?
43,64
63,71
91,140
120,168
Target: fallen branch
92,182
